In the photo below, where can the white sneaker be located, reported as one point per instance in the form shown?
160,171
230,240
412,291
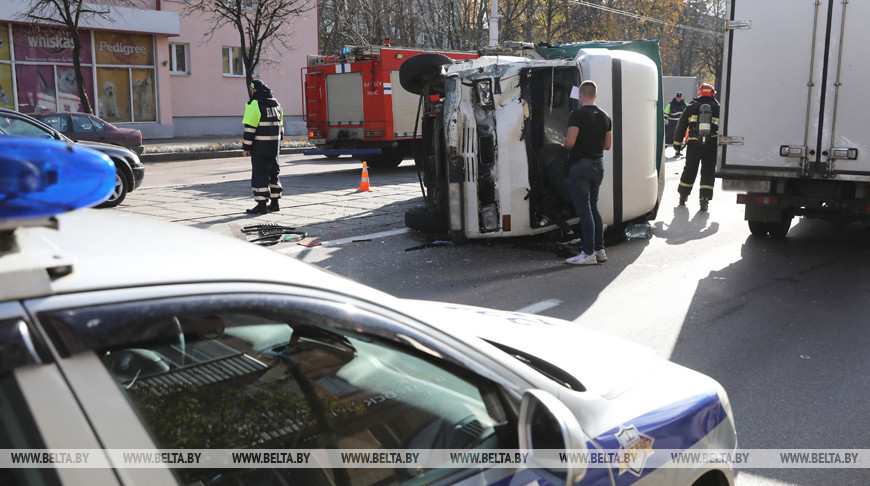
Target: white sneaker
582,259
600,256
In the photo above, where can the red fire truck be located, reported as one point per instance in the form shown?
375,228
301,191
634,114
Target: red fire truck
355,104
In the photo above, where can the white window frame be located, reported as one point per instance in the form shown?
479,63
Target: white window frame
173,60
246,4
231,50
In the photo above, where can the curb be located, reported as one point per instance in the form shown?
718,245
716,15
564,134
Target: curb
208,154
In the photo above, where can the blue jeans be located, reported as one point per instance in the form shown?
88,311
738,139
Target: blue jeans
585,176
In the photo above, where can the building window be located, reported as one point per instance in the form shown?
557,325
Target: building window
233,65
179,58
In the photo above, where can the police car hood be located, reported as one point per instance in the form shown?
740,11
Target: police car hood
606,365
631,391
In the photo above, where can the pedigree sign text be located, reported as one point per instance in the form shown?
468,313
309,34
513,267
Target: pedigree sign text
125,49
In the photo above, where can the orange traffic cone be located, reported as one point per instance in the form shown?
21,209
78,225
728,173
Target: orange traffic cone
364,185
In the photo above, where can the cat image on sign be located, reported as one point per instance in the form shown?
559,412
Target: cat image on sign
62,98
108,102
143,98
66,82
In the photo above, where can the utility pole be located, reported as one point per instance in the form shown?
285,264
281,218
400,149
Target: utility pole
493,24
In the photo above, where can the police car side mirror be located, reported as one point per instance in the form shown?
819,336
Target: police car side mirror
547,425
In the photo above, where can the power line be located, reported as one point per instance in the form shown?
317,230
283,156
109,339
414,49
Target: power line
645,18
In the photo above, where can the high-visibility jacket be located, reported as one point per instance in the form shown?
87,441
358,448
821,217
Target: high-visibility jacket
264,125
689,120
674,110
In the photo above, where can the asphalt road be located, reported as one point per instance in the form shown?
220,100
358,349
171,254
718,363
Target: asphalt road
780,323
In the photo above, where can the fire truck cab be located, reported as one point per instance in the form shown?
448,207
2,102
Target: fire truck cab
355,105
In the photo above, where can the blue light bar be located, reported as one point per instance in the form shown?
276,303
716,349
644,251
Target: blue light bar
41,178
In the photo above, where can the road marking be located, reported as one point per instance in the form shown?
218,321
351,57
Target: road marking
540,306
382,234
351,239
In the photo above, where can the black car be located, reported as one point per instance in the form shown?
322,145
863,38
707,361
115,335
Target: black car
130,171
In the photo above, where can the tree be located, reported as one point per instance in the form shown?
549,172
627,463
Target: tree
68,14
261,24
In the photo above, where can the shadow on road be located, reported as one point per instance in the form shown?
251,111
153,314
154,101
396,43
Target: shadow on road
785,332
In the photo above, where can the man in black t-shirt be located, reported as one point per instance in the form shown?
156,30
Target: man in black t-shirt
589,135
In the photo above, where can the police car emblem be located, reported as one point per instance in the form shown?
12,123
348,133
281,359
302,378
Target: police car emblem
636,448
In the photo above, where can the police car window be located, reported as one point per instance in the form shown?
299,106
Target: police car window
246,377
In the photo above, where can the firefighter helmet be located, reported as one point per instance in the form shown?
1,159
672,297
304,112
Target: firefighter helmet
706,90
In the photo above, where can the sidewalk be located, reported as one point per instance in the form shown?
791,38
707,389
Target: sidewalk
208,147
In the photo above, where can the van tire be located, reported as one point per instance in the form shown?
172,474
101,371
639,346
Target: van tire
430,220
421,70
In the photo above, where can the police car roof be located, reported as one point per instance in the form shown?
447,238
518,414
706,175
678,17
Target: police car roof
108,250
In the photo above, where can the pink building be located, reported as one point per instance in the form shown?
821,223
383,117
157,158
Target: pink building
148,68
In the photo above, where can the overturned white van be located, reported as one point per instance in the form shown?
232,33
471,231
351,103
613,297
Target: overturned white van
499,119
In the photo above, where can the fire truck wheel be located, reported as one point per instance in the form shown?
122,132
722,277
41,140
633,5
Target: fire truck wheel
422,69
430,220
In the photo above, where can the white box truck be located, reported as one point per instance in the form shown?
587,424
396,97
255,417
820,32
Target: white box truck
501,118
794,120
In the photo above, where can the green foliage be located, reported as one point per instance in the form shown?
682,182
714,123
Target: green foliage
688,30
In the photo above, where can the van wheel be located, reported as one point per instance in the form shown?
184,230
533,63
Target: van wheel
422,69
430,220
758,228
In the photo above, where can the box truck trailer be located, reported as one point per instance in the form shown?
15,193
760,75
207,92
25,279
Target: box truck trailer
793,125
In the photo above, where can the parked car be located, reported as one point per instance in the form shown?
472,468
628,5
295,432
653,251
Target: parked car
264,352
130,171
84,126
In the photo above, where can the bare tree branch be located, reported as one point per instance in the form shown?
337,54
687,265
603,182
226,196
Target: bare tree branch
261,25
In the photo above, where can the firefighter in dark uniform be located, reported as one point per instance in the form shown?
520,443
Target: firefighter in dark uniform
264,126
702,119
673,112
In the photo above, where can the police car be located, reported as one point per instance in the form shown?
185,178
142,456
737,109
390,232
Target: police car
209,346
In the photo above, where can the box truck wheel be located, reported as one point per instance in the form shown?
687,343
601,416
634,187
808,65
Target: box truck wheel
758,228
422,69
779,229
